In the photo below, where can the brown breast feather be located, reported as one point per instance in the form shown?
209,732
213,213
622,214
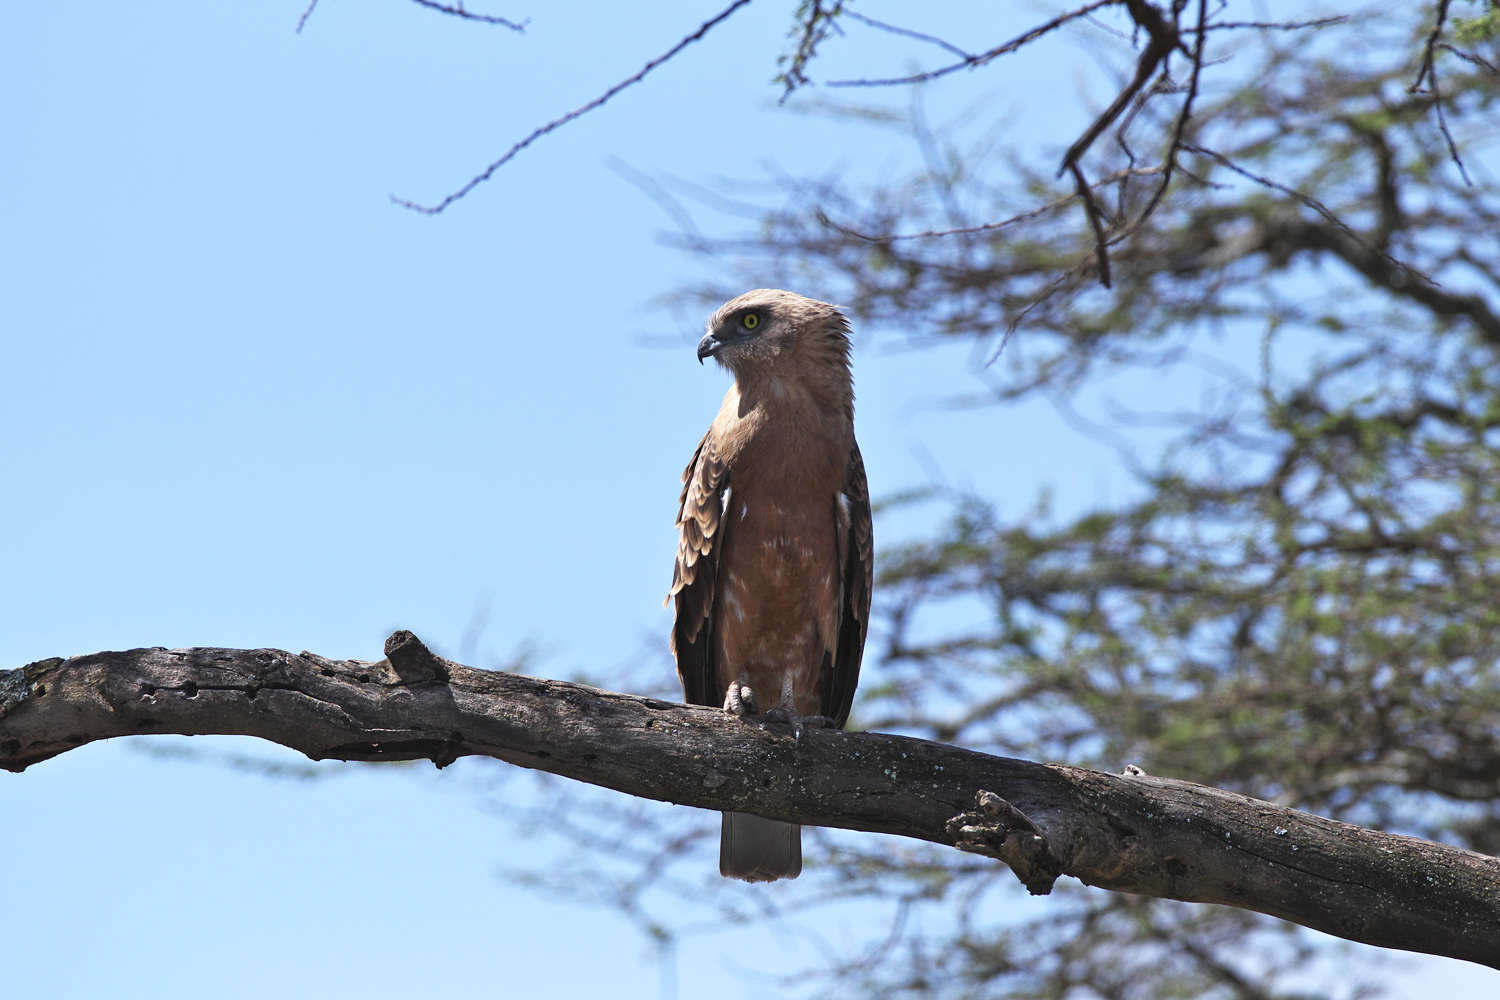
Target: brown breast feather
815,609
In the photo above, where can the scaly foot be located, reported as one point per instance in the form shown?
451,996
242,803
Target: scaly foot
740,700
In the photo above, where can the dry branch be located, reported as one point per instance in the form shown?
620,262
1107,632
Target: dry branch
457,10
1130,833
578,112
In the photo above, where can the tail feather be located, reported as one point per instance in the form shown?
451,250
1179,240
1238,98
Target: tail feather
759,850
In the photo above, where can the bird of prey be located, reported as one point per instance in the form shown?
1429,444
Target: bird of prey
773,576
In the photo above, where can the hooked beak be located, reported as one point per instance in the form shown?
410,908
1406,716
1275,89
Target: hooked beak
708,347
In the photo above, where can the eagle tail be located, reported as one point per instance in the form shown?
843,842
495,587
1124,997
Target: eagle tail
759,850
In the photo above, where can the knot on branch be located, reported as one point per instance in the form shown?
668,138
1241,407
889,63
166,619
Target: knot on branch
413,662
1000,830
24,682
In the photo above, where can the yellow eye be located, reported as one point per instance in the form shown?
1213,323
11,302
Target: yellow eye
751,321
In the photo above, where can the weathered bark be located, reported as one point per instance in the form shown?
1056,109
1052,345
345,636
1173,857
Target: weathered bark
1130,833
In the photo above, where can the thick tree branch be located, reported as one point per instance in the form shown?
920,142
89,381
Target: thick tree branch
1130,833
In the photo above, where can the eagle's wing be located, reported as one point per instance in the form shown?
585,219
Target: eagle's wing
856,568
699,542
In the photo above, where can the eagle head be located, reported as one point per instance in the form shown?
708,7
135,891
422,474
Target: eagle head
768,329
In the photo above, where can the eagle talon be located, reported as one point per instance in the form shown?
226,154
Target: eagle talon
739,700
799,723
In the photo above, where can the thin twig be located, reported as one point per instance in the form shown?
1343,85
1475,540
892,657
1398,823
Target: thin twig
1162,85
1307,200
1170,161
305,15
1322,22
1015,323
919,36
457,10
1091,209
1429,72
1127,37
1311,203
1432,40
1164,38
1437,102
1469,57
823,219
973,62
819,23
510,154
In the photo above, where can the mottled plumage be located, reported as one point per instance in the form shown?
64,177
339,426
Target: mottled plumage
774,557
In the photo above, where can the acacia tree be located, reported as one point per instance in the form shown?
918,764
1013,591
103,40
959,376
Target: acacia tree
1297,605
1300,602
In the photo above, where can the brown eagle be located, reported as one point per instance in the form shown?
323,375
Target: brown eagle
773,576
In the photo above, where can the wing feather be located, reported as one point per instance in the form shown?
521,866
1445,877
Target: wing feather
857,566
700,540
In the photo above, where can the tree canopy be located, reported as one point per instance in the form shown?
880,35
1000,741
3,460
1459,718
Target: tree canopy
1298,601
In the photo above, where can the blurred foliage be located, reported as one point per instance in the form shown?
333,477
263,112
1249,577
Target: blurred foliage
1298,602
1483,28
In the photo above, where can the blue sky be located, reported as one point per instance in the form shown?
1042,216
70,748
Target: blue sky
248,402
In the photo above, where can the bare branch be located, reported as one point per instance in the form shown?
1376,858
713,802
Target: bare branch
511,153
1429,72
908,33
1470,57
1020,317
1163,39
823,219
1091,209
1311,203
1322,22
973,62
1169,162
1129,833
1432,40
457,10
301,21
1385,272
